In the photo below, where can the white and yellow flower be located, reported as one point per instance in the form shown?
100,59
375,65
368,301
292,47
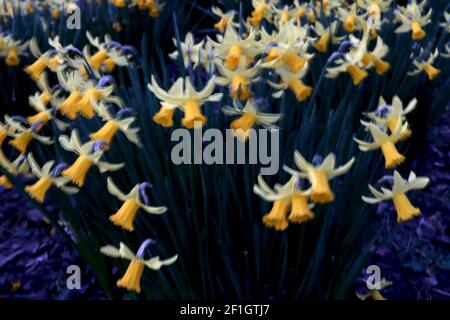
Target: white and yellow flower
249,116
124,217
88,156
235,50
292,81
23,136
351,20
326,36
319,175
352,61
225,18
183,95
46,179
385,142
412,20
388,116
131,280
43,115
114,124
426,66
405,210
190,51
15,168
286,198
12,50
262,9
375,58
238,80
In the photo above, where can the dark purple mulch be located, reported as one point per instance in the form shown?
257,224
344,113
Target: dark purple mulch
34,257
415,255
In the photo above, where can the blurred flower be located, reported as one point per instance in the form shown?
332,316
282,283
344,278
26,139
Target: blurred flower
225,18
412,19
12,50
426,66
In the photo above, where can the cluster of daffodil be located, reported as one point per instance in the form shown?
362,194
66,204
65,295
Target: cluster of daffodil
275,46
292,197
388,126
287,44
23,7
154,7
85,89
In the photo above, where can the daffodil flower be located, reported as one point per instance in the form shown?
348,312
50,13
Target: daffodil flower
235,50
375,9
93,92
405,210
190,51
183,95
300,9
262,9
225,18
118,55
132,277
351,20
113,124
12,50
375,58
154,6
47,95
326,35
18,167
412,20
393,114
46,179
386,142
287,49
72,83
283,15
351,62
97,60
293,82
43,114
249,117
319,175
131,204
52,59
285,198
89,154
375,294
22,136
426,66
238,80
